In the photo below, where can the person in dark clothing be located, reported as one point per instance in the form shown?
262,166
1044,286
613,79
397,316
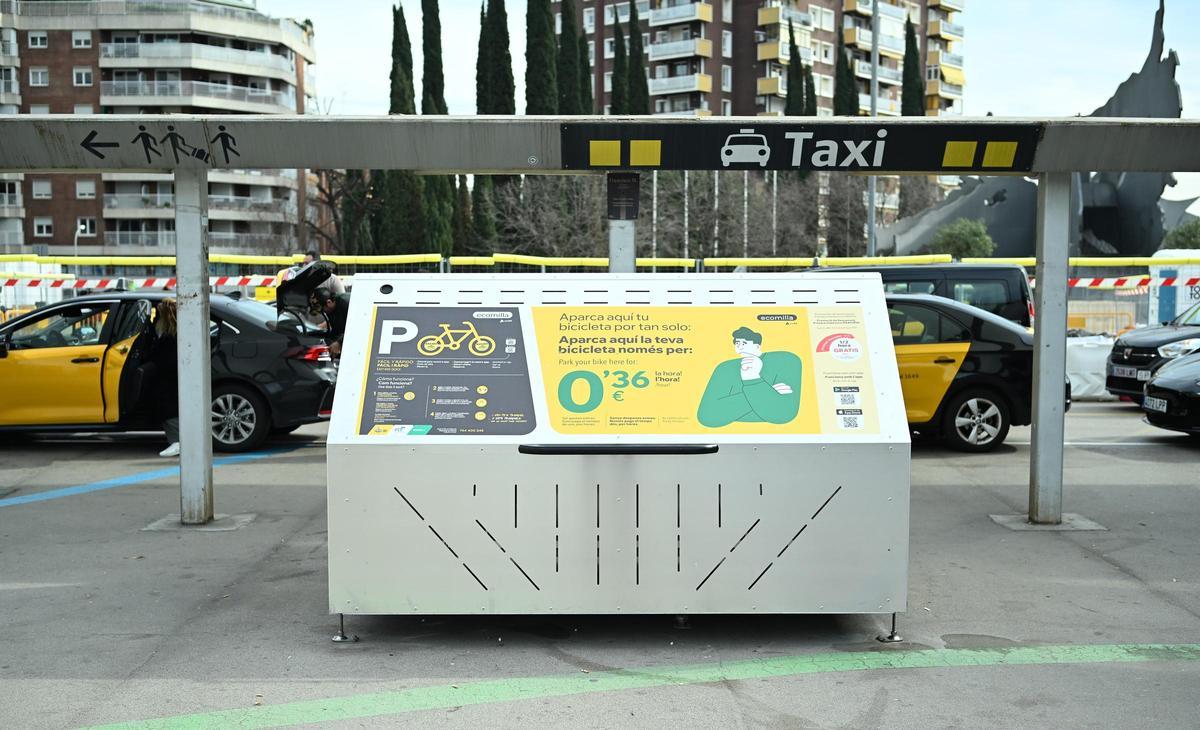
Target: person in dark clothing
336,309
164,355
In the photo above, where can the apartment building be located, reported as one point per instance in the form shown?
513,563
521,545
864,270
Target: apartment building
151,57
730,57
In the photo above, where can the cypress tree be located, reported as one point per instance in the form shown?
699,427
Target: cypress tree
810,93
794,106
568,62
639,91
433,100
439,189
619,102
483,101
587,105
541,64
845,88
912,103
398,224
483,215
501,88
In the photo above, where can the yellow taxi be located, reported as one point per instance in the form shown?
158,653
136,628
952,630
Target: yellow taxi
966,374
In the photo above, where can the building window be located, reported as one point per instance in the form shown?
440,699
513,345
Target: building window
41,189
822,18
83,75
727,10
592,53
81,39
39,108
558,23
43,227
84,109
824,85
608,82
660,106
726,108
86,227
85,189
39,76
826,52
610,48
727,43
589,20
727,78
37,39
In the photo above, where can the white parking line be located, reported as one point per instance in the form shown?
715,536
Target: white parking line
1102,443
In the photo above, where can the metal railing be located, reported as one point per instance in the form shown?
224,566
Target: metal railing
263,240
138,201
9,86
139,238
886,73
884,104
673,49
863,36
8,48
677,13
180,51
223,92
11,238
258,205
10,200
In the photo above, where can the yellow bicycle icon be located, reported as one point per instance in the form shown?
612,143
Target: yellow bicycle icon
480,345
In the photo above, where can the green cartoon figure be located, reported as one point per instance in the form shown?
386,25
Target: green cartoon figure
754,387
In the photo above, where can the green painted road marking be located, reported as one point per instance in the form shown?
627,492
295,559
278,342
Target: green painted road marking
378,704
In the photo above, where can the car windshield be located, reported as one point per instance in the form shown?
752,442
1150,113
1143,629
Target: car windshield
754,139
1190,317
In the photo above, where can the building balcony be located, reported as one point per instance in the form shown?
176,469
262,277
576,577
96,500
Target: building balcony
944,58
10,92
887,201
258,241
681,84
196,55
686,113
946,30
11,205
860,38
950,6
781,51
887,75
681,49
139,238
771,86
885,106
867,7
252,209
206,17
137,202
777,15
196,93
12,238
702,12
943,88
8,54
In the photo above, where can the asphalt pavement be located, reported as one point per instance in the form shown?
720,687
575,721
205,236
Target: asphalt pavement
108,622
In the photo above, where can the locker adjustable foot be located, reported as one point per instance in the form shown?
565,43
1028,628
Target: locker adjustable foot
682,622
893,637
341,637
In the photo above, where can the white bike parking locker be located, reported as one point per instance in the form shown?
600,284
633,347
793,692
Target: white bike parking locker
618,444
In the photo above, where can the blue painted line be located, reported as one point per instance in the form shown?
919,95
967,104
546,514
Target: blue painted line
145,476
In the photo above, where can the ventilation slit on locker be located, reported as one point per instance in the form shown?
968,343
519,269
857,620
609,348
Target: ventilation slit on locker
735,547
439,537
798,533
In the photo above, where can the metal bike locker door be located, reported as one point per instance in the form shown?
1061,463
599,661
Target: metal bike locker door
618,444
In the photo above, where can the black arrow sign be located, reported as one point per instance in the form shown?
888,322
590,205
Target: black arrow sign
92,146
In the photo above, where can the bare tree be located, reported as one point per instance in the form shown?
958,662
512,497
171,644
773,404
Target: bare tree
847,215
343,208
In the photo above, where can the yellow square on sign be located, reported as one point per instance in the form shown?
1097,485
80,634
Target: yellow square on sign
604,153
959,154
999,154
645,152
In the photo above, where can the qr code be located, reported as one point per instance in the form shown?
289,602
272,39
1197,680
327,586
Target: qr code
850,422
847,399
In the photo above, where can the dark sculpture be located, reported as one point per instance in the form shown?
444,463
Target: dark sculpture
1113,214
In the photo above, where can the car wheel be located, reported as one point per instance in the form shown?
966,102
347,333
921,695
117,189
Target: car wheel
976,420
240,421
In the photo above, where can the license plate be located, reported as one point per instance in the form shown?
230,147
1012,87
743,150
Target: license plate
1121,371
1154,404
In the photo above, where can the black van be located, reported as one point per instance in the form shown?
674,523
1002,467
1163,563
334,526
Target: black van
1002,289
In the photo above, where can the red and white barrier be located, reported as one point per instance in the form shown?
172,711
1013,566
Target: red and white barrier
152,283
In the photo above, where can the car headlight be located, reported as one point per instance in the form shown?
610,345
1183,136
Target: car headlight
1179,348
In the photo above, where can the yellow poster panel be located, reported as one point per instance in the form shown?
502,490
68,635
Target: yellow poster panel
705,370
